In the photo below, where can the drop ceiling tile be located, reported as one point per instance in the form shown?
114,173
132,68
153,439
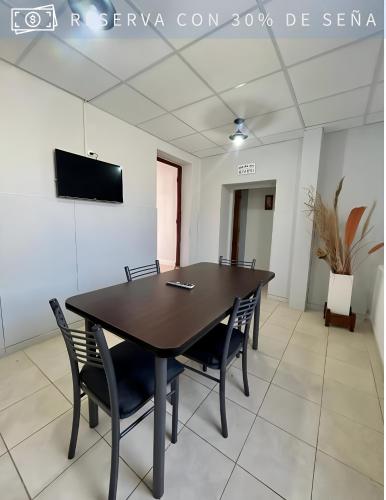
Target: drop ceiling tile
171,84
343,124
127,104
167,127
377,99
262,96
11,45
192,143
123,50
179,36
334,108
225,60
285,136
55,62
298,43
274,123
220,135
375,117
210,152
206,114
342,70
295,50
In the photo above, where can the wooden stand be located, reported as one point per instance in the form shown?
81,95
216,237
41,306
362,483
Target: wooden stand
333,319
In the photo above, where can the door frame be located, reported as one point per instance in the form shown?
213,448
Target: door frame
178,215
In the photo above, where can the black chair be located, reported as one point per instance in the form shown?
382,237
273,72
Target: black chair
221,345
138,272
120,380
248,264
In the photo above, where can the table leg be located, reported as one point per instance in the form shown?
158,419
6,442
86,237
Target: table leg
256,321
93,417
159,426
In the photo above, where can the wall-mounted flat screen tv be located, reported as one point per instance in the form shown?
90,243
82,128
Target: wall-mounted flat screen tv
85,178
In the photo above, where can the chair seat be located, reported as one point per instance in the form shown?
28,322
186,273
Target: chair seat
134,373
208,350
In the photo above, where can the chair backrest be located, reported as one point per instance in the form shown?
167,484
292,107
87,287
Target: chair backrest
87,347
240,318
137,272
248,264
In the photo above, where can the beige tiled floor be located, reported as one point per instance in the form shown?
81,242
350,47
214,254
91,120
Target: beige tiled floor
311,428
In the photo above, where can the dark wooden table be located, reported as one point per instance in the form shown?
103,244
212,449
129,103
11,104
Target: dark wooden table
167,320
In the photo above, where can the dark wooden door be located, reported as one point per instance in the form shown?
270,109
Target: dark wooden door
236,225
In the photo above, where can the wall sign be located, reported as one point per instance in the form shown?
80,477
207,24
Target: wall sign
246,169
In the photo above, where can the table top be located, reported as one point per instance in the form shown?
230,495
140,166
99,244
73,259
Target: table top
164,319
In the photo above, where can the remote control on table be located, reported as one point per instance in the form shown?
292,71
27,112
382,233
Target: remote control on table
181,284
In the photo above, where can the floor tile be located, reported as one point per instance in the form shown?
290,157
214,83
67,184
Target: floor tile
260,365
350,356
136,448
31,414
244,486
352,443
206,423
285,311
280,320
19,378
282,462
309,342
64,384
335,480
193,470
88,478
51,357
315,329
200,378
346,338
354,377
291,413
234,389
352,403
191,396
11,487
43,456
304,359
271,347
299,381
276,332
3,448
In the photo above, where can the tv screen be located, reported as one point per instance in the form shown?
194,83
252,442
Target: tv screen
85,178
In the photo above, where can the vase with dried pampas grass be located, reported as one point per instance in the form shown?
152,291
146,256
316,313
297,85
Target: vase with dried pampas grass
340,252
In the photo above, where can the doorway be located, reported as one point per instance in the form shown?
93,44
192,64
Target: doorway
253,212
169,180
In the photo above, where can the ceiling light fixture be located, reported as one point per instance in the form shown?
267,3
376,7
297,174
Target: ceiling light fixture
96,14
238,137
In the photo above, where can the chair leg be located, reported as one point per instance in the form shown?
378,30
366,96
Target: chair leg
175,396
224,426
115,437
204,368
75,424
245,373
92,413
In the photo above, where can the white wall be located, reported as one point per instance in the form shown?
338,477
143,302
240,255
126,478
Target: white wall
166,213
356,154
259,224
279,162
56,247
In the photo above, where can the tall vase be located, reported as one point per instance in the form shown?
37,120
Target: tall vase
339,293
